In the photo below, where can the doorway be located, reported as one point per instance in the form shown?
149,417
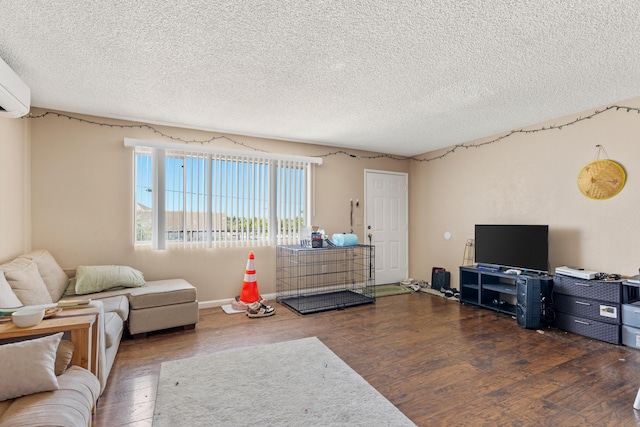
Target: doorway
386,221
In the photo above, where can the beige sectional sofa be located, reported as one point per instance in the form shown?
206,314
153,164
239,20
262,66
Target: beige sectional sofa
36,278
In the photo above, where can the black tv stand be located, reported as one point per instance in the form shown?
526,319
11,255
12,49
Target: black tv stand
487,268
498,291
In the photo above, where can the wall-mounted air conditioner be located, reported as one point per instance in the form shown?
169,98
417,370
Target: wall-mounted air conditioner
15,95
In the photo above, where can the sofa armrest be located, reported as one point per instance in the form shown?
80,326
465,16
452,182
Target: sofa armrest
102,343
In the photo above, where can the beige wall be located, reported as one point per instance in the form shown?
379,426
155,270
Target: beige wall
15,193
83,203
81,198
531,178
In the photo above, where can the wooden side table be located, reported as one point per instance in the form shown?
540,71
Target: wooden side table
82,325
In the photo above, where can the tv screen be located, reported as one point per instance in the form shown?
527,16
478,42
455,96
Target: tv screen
524,247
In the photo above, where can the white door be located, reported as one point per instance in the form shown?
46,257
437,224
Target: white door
386,220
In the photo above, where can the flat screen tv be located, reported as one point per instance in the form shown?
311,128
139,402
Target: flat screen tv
523,247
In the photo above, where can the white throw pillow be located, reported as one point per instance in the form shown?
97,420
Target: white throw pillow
27,284
7,298
28,367
52,274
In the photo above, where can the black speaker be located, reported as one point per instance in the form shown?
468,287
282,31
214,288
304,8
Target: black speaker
528,302
440,278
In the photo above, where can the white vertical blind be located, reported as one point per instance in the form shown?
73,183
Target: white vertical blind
209,202
158,199
292,212
203,199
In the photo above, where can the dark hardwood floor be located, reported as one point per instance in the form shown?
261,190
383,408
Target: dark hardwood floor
439,362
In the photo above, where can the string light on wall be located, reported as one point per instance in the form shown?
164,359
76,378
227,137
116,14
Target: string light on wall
144,126
451,150
527,131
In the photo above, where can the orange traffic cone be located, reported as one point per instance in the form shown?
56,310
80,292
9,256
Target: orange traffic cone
249,293
250,299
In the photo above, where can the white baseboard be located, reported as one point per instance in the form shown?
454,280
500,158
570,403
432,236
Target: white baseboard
221,302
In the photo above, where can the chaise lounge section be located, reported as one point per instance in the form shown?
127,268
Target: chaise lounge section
161,304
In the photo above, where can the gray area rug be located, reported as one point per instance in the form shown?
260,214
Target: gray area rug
292,383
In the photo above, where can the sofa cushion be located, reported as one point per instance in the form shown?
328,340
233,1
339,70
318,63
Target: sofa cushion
54,277
26,282
97,278
28,366
64,354
8,298
156,293
71,405
113,325
71,288
162,292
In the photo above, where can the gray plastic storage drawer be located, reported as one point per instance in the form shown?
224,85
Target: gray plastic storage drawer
592,289
607,332
631,336
583,307
631,314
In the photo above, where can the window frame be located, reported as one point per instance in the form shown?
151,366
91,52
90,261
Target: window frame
280,167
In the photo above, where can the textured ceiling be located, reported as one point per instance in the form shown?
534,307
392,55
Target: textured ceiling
399,77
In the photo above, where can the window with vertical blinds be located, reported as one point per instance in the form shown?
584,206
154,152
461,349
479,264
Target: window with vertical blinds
196,196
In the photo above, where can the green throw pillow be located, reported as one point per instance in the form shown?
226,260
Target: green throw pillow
98,278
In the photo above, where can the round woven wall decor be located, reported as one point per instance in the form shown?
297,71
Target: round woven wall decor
601,179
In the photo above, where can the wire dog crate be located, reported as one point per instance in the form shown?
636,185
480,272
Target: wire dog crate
310,280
